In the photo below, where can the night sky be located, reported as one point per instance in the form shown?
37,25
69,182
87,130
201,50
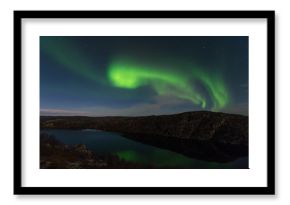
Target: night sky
132,76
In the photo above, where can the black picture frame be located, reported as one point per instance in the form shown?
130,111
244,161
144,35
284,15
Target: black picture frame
268,15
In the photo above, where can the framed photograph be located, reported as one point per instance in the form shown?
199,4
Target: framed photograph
144,102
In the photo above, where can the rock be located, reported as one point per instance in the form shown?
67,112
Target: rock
80,148
61,156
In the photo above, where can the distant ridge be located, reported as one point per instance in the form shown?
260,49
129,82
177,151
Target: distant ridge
197,125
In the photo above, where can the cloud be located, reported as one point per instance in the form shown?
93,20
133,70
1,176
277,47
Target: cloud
161,105
61,112
241,108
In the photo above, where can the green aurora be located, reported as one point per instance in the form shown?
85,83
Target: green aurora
124,74
130,76
70,57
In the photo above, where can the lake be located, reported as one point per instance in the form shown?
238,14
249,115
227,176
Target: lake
108,143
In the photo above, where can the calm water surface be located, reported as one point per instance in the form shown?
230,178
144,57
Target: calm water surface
104,143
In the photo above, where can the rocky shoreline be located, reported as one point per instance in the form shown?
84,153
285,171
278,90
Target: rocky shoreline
56,155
